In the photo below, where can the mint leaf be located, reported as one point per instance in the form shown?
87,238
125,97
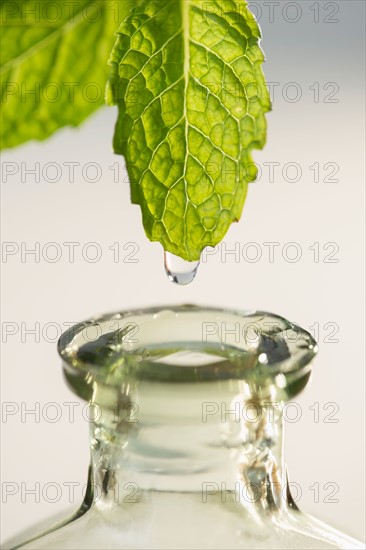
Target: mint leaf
187,78
53,64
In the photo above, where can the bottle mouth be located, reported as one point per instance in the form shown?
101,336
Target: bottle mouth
188,344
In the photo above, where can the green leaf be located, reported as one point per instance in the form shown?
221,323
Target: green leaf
187,77
53,64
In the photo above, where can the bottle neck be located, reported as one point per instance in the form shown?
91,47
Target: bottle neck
208,439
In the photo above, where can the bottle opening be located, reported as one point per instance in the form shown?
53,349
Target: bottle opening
188,344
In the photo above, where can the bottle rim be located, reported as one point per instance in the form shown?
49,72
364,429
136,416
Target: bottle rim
259,348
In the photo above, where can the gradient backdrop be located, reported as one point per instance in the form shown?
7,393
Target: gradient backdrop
313,198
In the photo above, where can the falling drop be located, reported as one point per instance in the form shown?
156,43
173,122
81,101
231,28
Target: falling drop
178,270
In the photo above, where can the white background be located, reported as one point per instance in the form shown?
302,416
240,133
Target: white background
309,292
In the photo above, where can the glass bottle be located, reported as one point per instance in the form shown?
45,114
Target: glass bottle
186,439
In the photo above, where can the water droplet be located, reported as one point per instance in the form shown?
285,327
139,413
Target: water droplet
178,270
